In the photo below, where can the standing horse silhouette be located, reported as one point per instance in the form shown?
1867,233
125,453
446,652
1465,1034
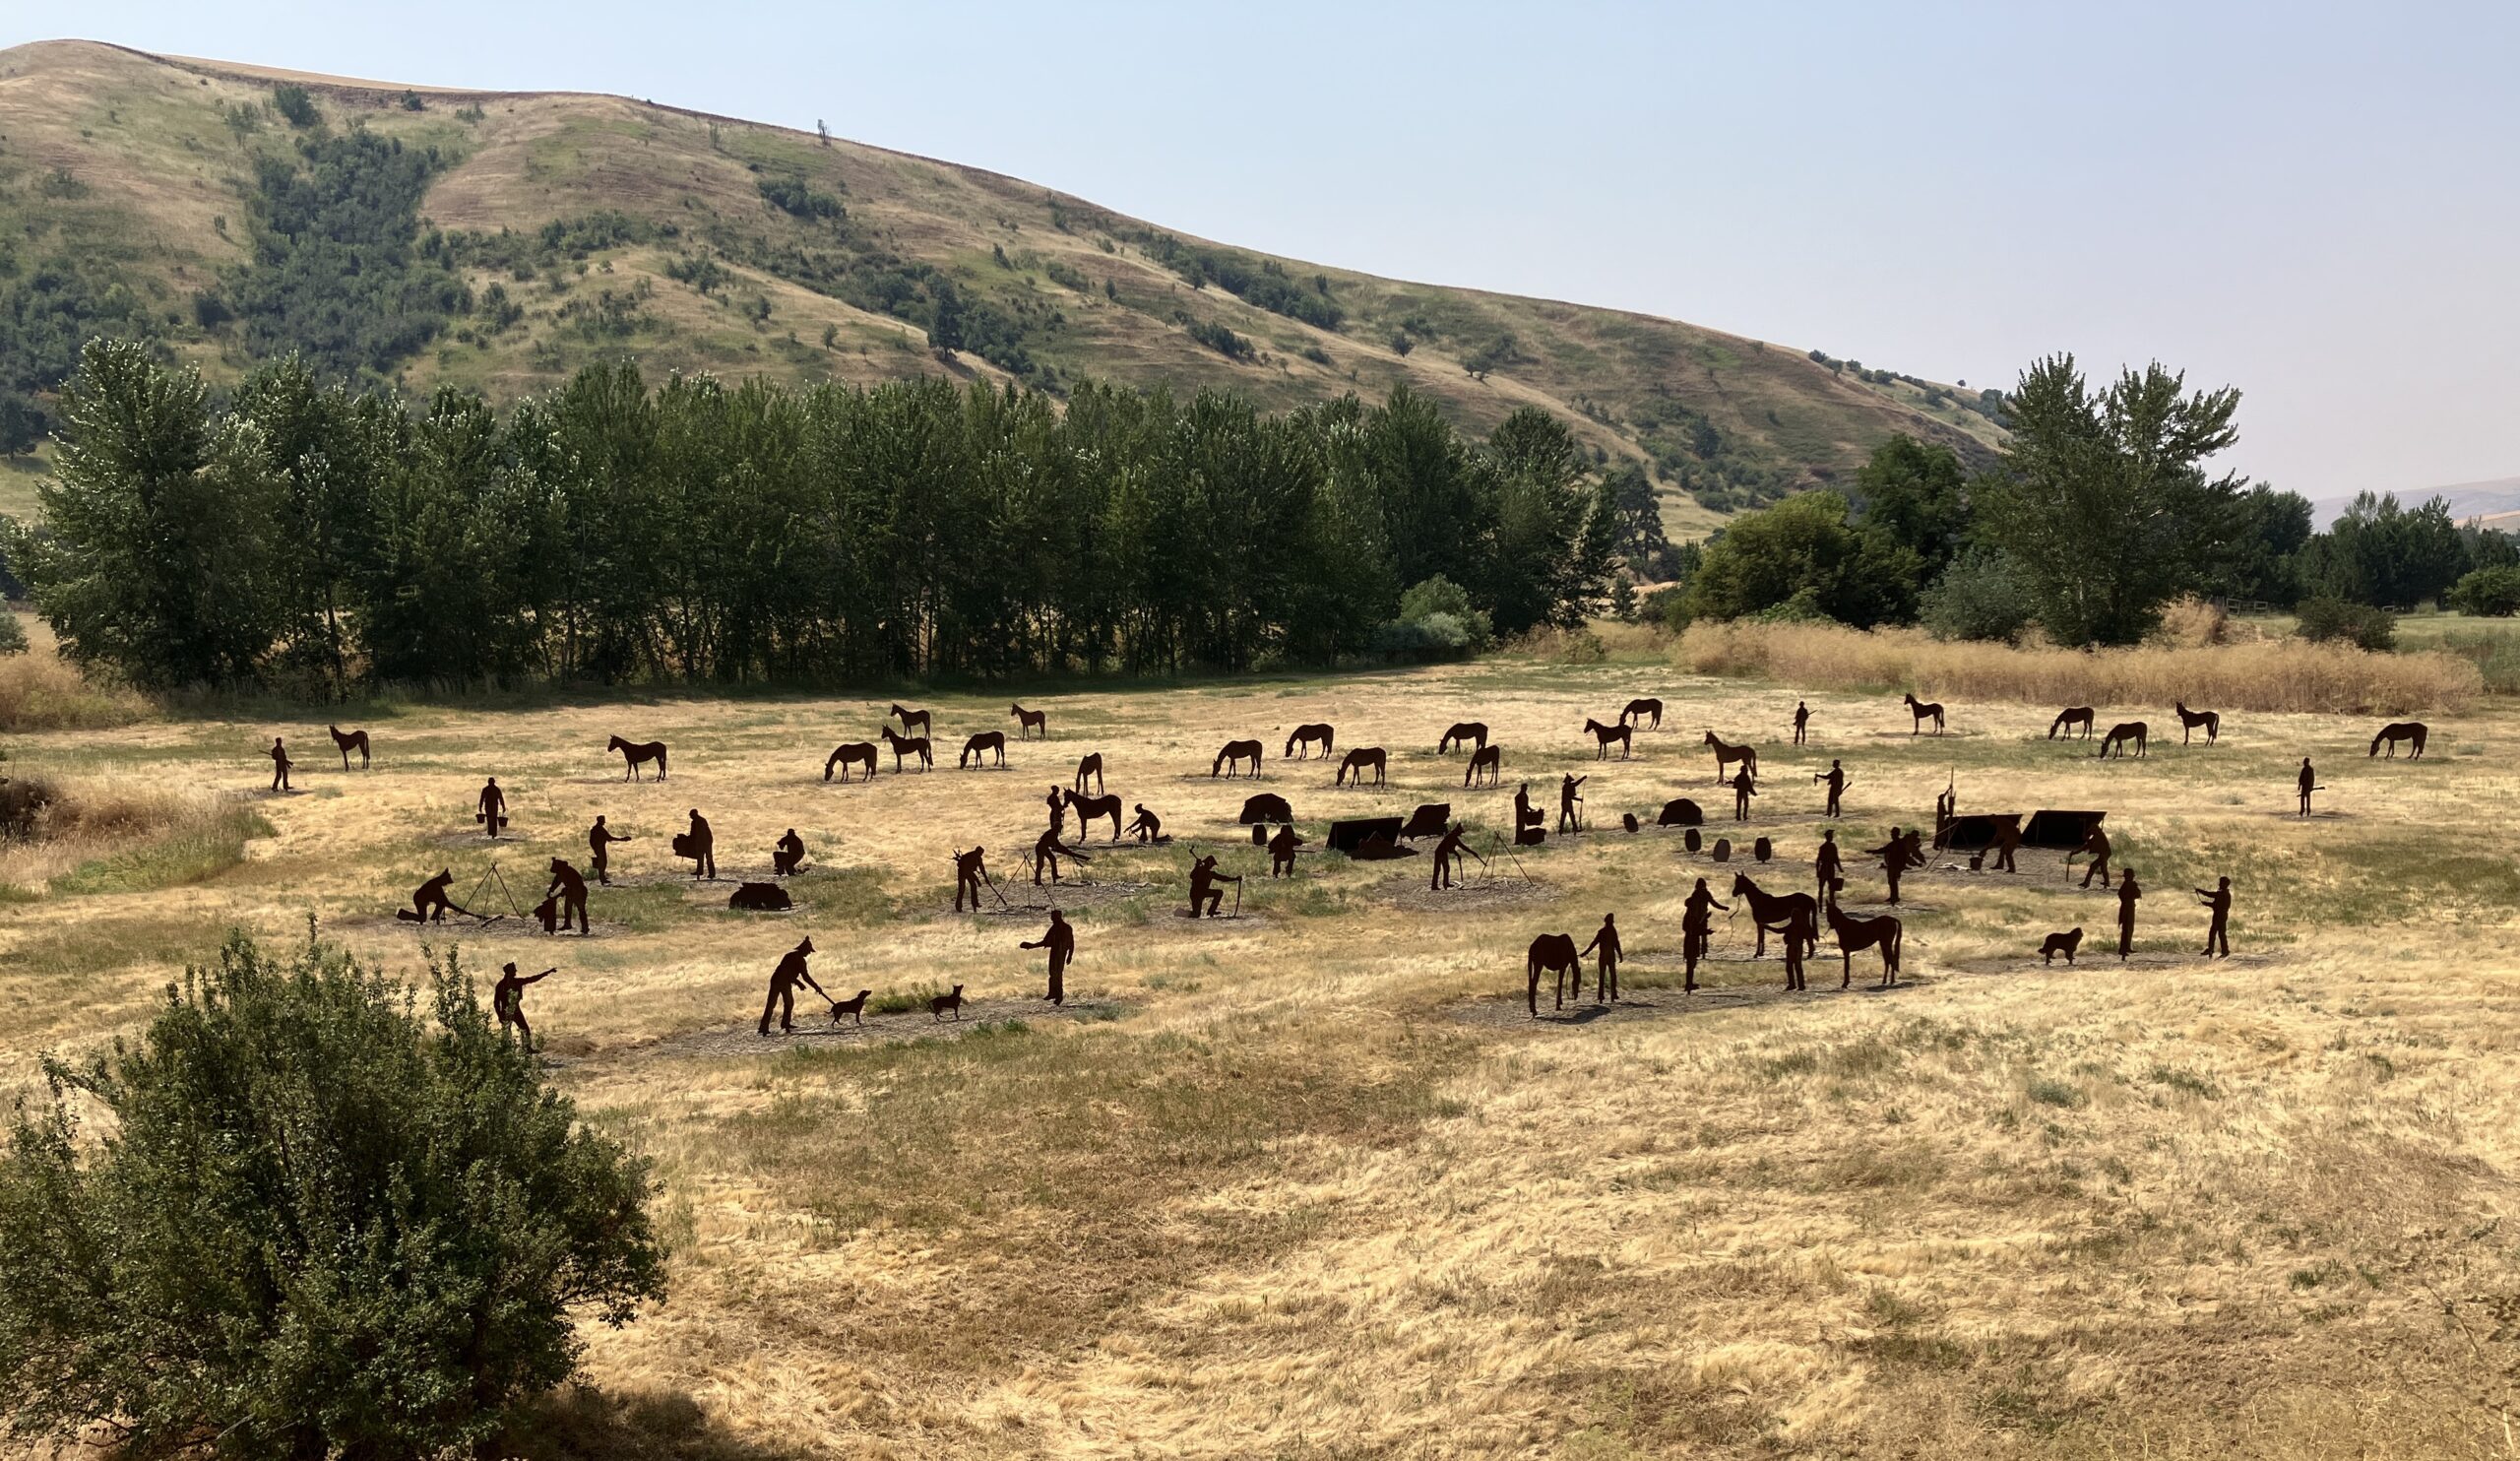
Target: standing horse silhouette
2189,720
1487,758
850,753
909,718
1356,762
1028,721
916,745
1640,709
1919,712
1299,745
1789,914
1465,733
1855,935
2069,718
981,744
1555,953
1087,808
2391,734
1602,735
346,742
1233,754
637,754
2119,734
1725,753
1089,766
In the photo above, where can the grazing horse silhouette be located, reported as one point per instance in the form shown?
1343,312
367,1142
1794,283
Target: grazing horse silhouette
1919,712
1233,754
1725,753
1028,721
1299,745
1855,935
1089,766
1087,808
1602,735
917,745
981,744
2119,734
1490,758
850,753
346,742
637,754
909,718
1555,953
1641,709
1356,761
1789,914
1465,733
2391,734
2069,718
2189,720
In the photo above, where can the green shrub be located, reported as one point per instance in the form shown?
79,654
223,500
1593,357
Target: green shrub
1978,597
2324,618
293,102
2490,593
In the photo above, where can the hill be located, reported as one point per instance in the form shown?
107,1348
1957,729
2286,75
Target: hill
498,241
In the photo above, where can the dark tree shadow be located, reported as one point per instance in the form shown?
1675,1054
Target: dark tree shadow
581,1423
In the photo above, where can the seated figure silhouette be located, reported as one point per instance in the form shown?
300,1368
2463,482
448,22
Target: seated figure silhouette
787,856
1205,895
1146,826
570,888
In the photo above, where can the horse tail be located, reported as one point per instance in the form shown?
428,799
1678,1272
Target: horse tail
1897,945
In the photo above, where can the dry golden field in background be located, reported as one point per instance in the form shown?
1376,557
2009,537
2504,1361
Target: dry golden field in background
1309,1183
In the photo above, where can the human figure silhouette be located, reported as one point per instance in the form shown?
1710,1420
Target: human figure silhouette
1448,854
1570,806
1281,851
570,887
1946,806
1525,815
1061,940
1048,849
1836,779
2308,783
784,980
600,841
1058,812
1826,865
1697,926
280,764
1801,720
1801,933
1147,827
1205,895
2007,842
430,903
969,868
2128,895
700,845
507,997
1745,787
1894,861
2096,843
787,854
1605,972
2217,938
490,810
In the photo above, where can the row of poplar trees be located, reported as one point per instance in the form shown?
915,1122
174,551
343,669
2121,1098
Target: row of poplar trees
302,534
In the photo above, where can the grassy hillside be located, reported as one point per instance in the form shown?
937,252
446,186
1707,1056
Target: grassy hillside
172,197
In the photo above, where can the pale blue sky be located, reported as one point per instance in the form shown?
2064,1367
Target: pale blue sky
2319,204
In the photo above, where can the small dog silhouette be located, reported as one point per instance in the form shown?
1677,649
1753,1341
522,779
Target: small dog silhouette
937,1006
855,1008
2061,943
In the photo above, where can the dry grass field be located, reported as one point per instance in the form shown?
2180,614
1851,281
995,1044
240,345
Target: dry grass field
1309,1183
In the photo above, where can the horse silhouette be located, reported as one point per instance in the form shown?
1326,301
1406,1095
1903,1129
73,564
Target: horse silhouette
1299,745
1028,721
2069,718
2189,720
1919,712
1087,808
1356,761
2119,734
1725,753
1465,733
1789,914
635,754
1233,754
2408,730
850,753
1641,709
1855,935
1555,953
916,745
1490,758
1089,766
346,742
2065,943
909,718
981,744
1602,735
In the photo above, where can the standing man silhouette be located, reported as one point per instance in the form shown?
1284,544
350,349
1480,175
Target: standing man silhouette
782,989
1836,777
2127,894
1894,861
279,765
1802,718
1058,815
2007,842
600,841
2217,938
2096,843
1695,929
1605,977
571,886
507,996
1061,940
1827,866
1281,851
491,809
2307,783
701,847
1570,807
1745,787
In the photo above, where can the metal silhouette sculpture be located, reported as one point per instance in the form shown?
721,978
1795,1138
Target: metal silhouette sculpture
2413,732
1922,711
970,872
2096,844
1697,928
2007,842
1231,755
1090,809
569,886
1679,812
346,742
2190,720
1570,806
1282,853
1802,935
1639,709
1061,940
1897,855
1265,807
1553,953
948,1003
853,1008
760,898
1776,913
2218,901
1205,896
1056,801
1048,849
1428,820
783,980
1828,864
1802,722
1299,744
2065,943
1357,762
2072,719
2114,742
1690,839
850,753
2128,895
1089,768
787,854
600,841
1725,753
1884,933
914,745
635,754
1628,821
921,718
1146,827
1723,851
2307,783
1602,735
1835,778
1605,946
1449,849
1946,808
507,999
430,903
279,765
987,743
490,808
700,845
1745,784
1028,721
1467,733
1487,758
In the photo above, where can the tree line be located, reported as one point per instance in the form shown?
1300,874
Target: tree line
312,537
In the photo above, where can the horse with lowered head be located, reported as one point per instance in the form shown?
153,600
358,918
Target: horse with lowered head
1554,953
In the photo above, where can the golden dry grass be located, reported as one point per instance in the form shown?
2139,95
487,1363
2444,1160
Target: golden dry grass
1309,1183
39,692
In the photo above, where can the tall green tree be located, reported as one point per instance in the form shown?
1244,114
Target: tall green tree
2380,552
1916,494
1804,549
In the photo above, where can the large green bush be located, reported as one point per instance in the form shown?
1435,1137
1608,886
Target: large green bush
2324,618
2493,593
